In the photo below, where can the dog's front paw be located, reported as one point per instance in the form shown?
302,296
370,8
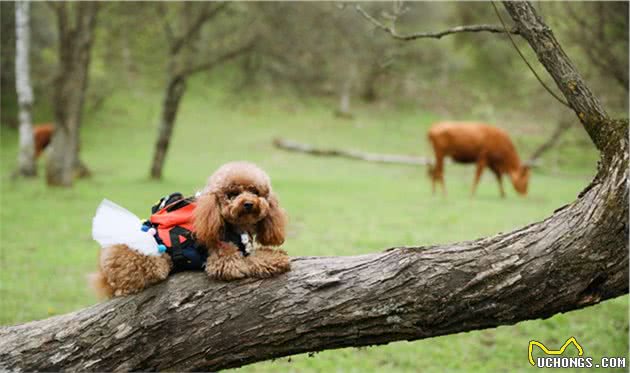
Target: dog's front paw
268,262
227,264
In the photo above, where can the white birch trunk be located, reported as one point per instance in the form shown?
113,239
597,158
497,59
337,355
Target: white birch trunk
26,153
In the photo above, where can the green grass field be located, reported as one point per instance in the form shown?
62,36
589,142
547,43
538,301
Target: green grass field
336,207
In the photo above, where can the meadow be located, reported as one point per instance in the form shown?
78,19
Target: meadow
336,207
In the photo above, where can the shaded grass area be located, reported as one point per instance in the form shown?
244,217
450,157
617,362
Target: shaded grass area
336,207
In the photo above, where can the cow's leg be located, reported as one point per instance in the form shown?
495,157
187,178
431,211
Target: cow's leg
436,172
500,181
439,171
431,174
481,163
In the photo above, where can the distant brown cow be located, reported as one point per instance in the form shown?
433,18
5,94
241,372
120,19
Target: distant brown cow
478,143
42,134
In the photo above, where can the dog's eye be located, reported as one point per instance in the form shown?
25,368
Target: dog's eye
231,194
253,191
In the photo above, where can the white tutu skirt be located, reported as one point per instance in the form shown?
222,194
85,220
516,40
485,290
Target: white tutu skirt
114,225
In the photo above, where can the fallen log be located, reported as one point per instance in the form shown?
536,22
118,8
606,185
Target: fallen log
352,154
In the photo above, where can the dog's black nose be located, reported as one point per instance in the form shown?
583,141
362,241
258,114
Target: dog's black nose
248,206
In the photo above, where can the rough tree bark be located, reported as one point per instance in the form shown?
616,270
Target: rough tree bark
26,153
75,44
575,258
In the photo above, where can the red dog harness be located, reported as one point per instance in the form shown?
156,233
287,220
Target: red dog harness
172,219
174,222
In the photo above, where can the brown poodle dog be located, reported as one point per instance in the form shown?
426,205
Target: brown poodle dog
236,210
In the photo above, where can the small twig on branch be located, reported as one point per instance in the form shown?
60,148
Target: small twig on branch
459,29
168,29
435,35
219,60
352,154
205,15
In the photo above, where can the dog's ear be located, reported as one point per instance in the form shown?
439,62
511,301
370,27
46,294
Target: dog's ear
270,230
207,220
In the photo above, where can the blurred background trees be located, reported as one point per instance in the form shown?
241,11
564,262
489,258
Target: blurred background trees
192,48
599,29
322,50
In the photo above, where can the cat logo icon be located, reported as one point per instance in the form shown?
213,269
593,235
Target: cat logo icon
553,352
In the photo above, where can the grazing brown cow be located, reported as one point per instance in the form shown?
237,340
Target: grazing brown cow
478,143
42,134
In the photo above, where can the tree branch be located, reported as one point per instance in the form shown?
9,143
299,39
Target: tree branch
434,35
550,54
573,259
218,61
518,50
168,30
205,15
562,126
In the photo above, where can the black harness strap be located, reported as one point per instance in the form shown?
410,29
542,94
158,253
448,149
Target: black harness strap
232,236
176,251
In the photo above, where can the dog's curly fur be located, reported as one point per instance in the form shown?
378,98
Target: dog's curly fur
238,193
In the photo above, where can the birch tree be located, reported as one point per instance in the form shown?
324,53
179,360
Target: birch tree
26,152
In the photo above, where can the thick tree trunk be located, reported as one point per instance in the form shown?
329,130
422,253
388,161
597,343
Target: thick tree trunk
74,60
172,96
575,258
26,153
62,156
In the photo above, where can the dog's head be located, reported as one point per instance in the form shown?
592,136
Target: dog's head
239,193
